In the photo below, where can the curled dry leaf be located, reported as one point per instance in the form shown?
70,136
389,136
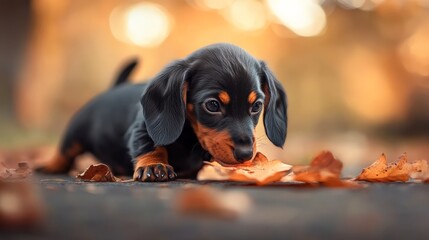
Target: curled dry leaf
98,173
324,169
400,171
22,172
209,202
260,171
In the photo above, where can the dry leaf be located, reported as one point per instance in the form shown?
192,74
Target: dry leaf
209,202
260,171
98,173
323,169
400,171
22,172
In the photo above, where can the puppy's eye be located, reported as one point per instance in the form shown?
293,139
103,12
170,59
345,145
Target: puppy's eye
212,106
256,108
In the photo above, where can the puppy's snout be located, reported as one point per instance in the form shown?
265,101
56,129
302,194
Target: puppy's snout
243,140
243,153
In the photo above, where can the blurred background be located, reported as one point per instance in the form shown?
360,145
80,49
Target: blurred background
356,71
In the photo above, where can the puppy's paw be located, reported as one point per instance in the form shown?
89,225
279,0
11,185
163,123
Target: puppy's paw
157,172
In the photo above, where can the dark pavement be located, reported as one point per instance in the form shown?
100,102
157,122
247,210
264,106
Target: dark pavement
77,210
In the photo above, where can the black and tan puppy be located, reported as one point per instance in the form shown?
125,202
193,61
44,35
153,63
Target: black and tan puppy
202,107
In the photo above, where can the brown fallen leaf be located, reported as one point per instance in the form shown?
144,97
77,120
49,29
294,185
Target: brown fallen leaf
98,173
260,171
23,171
400,171
209,202
324,169
383,172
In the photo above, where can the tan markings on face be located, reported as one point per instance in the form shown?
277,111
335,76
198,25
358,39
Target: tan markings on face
252,97
157,156
217,143
224,97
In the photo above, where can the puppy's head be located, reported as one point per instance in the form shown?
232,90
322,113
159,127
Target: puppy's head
222,91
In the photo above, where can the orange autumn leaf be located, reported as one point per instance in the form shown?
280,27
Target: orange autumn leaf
400,171
323,168
260,171
98,173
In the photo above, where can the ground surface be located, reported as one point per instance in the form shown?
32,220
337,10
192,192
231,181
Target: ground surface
76,210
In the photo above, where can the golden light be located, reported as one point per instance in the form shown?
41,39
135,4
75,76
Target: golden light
248,15
366,5
351,4
143,24
216,4
423,3
367,89
209,4
414,51
304,17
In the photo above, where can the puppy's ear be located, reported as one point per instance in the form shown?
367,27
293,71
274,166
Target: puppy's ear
164,102
275,113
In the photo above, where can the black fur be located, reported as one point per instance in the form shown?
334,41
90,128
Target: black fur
275,115
130,120
163,105
125,73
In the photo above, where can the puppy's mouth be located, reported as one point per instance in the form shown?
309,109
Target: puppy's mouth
221,148
225,156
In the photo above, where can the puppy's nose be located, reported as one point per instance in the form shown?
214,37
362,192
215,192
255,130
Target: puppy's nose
243,153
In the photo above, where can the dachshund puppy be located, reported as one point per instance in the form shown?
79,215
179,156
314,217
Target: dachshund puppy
203,107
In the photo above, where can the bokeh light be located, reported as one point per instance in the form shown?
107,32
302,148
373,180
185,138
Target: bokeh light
216,4
366,5
306,18
415,51
368,90
351,4
247,15
143,24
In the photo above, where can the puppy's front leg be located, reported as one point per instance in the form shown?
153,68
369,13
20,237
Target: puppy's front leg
153,167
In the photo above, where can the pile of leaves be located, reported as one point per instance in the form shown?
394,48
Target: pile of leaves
324,170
